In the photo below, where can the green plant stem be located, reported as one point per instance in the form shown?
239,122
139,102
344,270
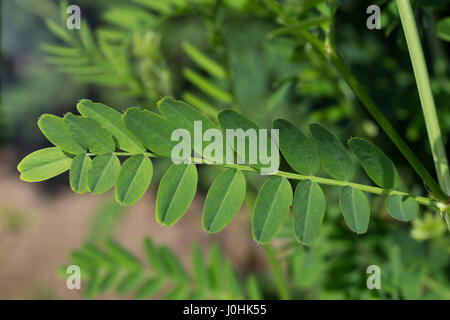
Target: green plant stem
280,280
324,181
426,96
425,93
327,52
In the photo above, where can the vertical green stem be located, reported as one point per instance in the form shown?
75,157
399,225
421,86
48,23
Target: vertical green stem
277,273
425,93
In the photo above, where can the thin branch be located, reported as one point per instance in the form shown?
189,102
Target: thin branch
323,181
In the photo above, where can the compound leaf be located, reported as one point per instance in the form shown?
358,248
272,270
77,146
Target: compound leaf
223,200
175,193
356,209
309,210
134,179
271,208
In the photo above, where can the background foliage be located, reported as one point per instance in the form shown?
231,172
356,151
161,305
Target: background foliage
231,53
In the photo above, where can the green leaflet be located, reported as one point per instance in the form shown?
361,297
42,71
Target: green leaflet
57,132
216,268
402,208
109,280
44,164
443,29
183,116
297,149
376,164
103,174
253,291
335,158
153,255
223,200
208,87
121,256
79,173
175,193
92,289
152,130
203,61
129,282
173,265
229,119
309,210
356,209
134,179
233,282
90,134
200,271
111,120
180,292
271,208
150,288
